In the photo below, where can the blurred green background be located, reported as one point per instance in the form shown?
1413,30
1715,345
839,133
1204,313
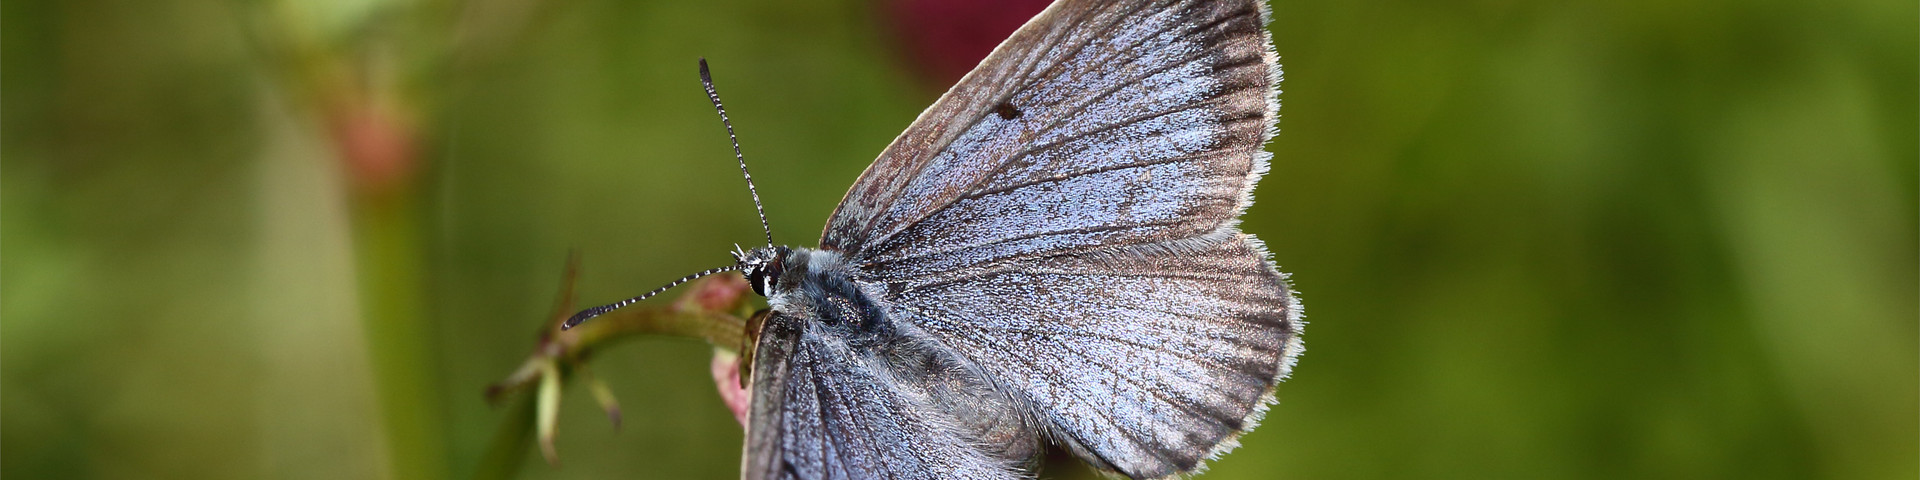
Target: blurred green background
1642,239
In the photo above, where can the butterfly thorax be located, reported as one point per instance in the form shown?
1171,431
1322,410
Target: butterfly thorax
813,284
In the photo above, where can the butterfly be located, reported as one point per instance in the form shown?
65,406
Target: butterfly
1049,253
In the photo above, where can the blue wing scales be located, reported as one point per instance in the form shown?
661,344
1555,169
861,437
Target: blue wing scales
1145,362
1065,219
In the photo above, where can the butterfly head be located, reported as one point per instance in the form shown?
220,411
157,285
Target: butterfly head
762,266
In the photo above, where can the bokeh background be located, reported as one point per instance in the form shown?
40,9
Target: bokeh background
1637,239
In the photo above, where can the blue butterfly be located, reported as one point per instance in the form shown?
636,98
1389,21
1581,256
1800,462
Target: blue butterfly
1048,254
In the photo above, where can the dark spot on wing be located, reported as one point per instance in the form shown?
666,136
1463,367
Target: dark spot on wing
1006,111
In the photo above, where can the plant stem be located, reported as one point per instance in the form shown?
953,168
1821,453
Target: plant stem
387,241
508,450
709,309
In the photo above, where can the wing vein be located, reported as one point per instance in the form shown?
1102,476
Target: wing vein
1030,236
1142,345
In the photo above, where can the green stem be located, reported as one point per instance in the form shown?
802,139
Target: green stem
388,248
510,442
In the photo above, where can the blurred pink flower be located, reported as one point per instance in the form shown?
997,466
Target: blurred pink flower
376,144
726,376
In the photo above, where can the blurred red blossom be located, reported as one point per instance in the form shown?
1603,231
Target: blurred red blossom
377,145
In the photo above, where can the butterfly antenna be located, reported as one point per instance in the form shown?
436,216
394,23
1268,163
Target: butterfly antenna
706,78
584,315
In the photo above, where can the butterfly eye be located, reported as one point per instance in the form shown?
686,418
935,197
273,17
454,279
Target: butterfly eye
764,274
757,278
769,276
762,278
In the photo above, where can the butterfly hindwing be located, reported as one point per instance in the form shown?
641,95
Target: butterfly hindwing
1144,360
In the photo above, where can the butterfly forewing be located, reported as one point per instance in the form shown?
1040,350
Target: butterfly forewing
1131,122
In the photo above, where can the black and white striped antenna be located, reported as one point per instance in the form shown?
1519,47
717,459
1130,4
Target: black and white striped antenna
584,315
706,79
